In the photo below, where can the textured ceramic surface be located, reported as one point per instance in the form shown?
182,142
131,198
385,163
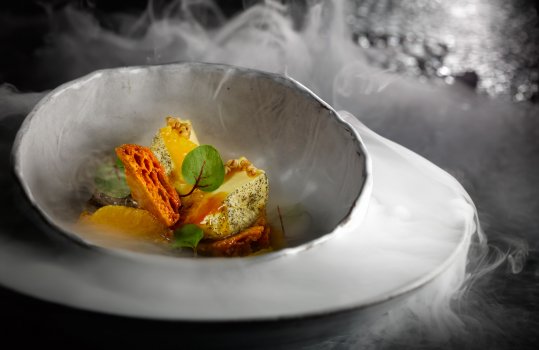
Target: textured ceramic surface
366,263
315,162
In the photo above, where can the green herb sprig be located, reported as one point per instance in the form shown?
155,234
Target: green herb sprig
203,168
187,236
110,179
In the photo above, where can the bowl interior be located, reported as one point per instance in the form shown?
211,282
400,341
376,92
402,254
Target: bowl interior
313,159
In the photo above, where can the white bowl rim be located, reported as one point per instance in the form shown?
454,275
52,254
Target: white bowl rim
394,294
357,210
460,248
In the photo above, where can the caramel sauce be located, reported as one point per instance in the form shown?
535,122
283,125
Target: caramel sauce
209,205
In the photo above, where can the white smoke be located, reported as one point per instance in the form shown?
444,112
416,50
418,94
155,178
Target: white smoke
486,144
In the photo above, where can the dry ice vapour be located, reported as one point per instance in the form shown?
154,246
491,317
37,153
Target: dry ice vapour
447,125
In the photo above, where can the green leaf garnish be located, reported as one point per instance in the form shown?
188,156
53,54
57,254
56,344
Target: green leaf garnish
203,168
110,179
187,236
119,164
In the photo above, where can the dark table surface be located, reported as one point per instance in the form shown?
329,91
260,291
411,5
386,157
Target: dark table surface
489,49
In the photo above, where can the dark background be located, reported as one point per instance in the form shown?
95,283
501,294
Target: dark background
408,38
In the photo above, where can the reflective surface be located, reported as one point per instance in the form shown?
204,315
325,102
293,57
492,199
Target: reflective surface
491,45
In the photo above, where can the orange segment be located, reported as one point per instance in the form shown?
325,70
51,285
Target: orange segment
127,222
177,147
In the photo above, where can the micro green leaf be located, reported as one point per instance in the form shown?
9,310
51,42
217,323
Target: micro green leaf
119,164
187,236
110,179
203,168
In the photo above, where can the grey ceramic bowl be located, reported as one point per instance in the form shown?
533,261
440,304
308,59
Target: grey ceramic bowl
413,239
317,165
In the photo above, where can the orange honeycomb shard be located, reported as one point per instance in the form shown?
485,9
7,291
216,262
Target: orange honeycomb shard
148,183
246,242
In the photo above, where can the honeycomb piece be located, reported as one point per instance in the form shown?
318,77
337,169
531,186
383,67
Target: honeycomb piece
149,184
244,243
